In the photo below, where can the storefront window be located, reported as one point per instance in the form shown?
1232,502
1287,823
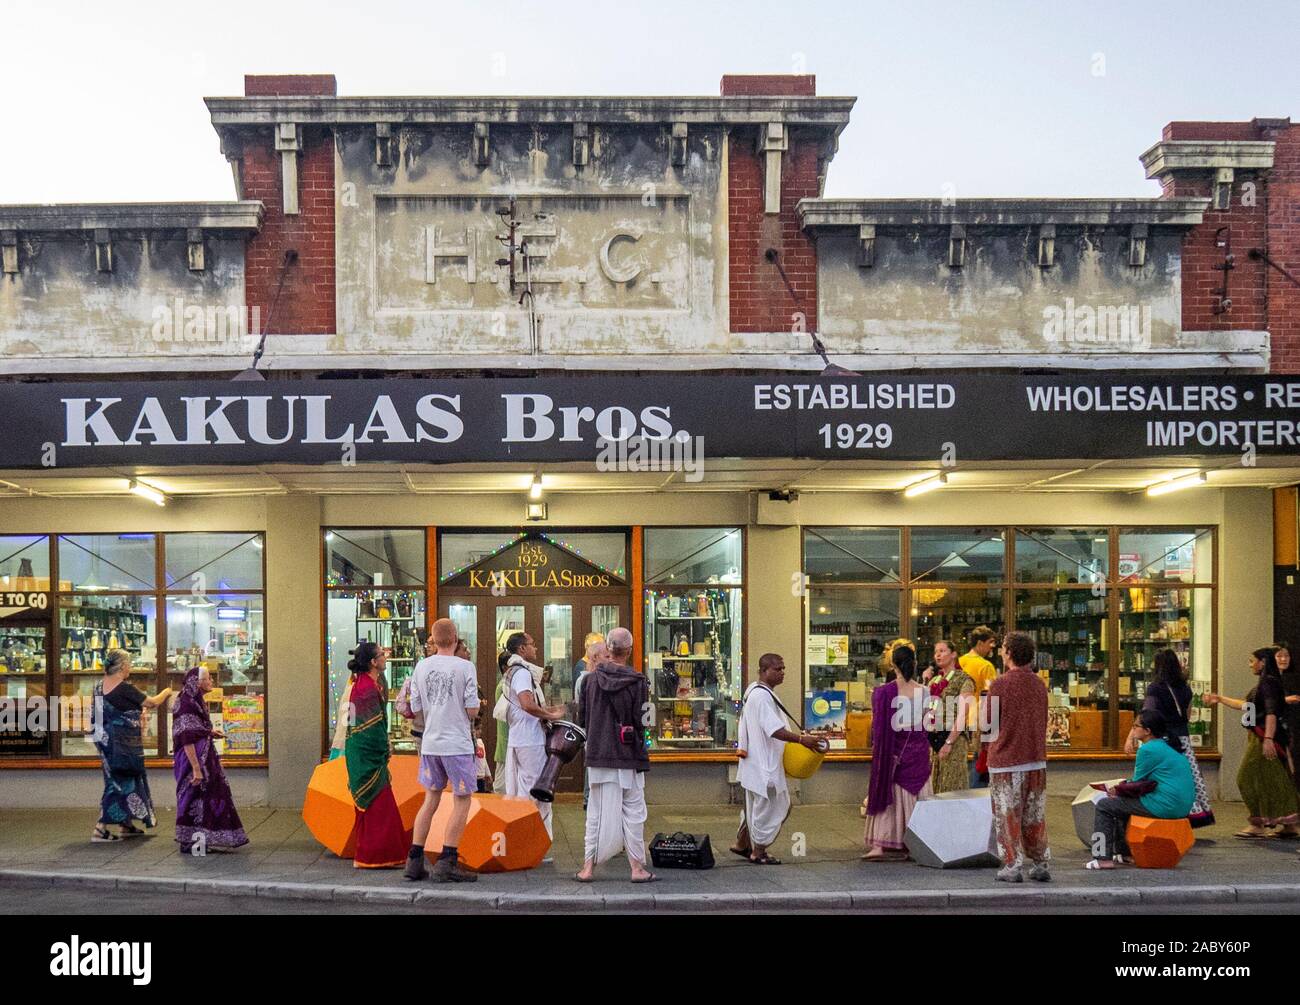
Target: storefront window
1164,556
1094,652
90,627
25,642
848,629
200,562
1071,629
385,605
1153,619
24,563
374,557
693,640
1062,556
852,554
950,614
958,555
108,562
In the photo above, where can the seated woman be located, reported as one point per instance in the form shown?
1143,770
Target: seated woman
1162,787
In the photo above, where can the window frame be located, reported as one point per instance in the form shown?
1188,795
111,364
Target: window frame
1010,585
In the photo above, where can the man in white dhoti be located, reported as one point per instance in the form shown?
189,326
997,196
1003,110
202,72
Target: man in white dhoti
761,771
613,709
526,743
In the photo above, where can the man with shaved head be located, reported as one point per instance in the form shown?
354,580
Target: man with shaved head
761,772
612,708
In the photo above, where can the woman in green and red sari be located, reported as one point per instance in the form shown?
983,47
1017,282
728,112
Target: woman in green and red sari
382,841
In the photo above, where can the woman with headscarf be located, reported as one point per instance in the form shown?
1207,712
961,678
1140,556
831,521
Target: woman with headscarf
1264,777
117,736
382,841
206,819
900,758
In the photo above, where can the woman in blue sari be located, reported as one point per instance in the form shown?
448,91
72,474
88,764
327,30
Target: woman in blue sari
118,707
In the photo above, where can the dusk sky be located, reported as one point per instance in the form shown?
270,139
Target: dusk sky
972,99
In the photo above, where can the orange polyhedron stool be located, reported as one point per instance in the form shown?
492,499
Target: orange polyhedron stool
1158,844
331,815
503,834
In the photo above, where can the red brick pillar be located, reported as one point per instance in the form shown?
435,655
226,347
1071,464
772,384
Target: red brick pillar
306,305
760,299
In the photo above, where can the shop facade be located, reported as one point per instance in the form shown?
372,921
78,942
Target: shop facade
556,365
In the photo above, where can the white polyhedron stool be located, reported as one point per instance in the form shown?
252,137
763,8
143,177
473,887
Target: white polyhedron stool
953,830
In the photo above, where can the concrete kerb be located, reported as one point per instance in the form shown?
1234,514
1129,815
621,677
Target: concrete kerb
864,900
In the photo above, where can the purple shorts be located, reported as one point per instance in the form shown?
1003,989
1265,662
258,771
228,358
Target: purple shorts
438,769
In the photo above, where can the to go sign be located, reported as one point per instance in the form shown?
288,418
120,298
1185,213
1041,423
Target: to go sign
29,601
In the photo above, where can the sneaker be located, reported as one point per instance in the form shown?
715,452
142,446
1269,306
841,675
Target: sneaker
1040,873
415,869
444,871
1009,875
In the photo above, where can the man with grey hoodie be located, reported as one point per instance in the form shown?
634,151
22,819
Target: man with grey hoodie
612,710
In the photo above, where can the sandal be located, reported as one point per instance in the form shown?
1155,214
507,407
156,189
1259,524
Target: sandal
130,831
580,878
742,852
889,856
648,878
1251,835
102,835
765,859
1094,864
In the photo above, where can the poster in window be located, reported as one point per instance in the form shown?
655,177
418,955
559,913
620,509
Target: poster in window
825,714
245,724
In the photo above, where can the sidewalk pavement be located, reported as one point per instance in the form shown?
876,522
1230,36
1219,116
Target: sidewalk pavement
283,862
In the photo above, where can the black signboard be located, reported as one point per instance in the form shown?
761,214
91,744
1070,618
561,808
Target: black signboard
586,418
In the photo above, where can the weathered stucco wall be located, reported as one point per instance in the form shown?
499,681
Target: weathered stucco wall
59,305
628,251
911,301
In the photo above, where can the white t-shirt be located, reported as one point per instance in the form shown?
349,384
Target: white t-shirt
525,730
442,688
762,770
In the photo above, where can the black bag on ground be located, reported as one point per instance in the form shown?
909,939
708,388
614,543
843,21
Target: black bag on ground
681,851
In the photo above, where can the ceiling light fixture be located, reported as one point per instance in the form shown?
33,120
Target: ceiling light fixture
535,489
147,492
1174,484
925,485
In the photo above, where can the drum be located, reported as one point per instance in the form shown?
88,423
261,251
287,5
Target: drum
563,744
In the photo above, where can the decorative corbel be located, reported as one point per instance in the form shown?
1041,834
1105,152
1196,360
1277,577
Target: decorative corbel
481,145
957,246
288,140
677,144
1137,245
232,148
9,252
866,245
1046,245
385,145
1222,189
581,144
773,141
194,252
103,250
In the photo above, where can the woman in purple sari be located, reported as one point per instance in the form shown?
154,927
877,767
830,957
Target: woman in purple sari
900,759
205,812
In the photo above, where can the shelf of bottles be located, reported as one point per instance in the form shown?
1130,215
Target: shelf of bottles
88,632
950,613
1071,629
1156,618
692,642
390,618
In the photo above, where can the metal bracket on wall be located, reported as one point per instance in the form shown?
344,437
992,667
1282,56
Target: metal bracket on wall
1223,239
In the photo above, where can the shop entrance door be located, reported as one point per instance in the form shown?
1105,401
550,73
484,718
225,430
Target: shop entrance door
551,594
